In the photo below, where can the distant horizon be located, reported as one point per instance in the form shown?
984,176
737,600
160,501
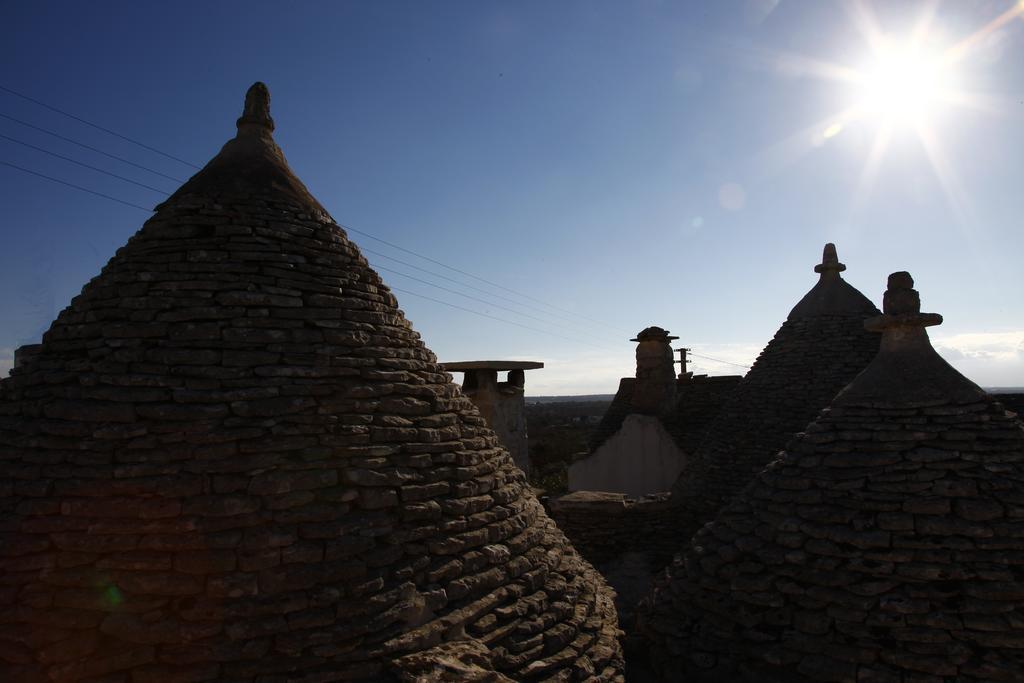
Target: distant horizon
991,390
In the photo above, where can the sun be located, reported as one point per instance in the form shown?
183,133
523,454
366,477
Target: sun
904,84
907,88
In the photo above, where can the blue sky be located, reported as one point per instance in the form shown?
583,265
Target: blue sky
625,163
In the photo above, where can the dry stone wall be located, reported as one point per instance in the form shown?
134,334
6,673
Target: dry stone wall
232,458
628,540
603,525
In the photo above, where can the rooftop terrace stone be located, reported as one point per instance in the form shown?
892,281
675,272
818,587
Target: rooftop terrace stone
497,365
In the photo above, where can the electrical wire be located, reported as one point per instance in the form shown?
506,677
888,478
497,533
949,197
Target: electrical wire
475,277
719,360
396,289
351,229
77,187
90,148
96,126
346,227
492,317
84,165
467,296
449,279
469,286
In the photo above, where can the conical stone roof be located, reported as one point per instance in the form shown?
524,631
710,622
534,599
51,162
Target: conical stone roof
819,349
885,544
233,459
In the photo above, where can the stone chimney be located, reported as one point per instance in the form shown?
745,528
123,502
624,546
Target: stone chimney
655,386
502,404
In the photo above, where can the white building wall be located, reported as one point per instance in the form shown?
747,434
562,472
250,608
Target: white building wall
638,459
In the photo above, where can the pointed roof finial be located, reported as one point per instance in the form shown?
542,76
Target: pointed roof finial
653,333
907,368
829,261
257,109
832,295
901,306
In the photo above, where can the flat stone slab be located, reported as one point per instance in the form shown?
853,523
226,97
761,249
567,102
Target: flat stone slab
500,365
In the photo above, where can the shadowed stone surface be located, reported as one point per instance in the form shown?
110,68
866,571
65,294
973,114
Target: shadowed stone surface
233,459
885,544
819,349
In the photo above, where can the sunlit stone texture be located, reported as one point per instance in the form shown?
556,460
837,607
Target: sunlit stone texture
232,459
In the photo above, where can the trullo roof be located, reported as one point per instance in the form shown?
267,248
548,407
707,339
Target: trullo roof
819,349
234,459
885,544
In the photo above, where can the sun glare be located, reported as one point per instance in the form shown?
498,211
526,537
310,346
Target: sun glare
904,84
906,87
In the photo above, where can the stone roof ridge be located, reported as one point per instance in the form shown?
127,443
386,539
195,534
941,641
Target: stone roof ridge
250,165
831,295
907,368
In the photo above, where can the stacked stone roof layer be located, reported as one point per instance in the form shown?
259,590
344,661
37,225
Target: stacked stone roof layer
885,544
232,458
819,349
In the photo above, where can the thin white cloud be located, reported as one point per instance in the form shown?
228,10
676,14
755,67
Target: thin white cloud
723,359
991,359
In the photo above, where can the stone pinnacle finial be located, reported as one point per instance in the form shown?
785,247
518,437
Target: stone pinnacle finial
653,333
907,369
829,261
257,108
901,306
900,296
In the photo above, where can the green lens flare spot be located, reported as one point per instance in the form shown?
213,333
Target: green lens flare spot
113,595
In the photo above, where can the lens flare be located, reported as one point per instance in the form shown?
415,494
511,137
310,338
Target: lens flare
113,595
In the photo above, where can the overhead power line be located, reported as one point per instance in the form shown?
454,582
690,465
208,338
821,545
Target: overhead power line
719,360
90,148
453,269
404,291
475,277
492,317
96,126
489,293
352,229
468,310
396,289
449,279
84,165
77,187
468,296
